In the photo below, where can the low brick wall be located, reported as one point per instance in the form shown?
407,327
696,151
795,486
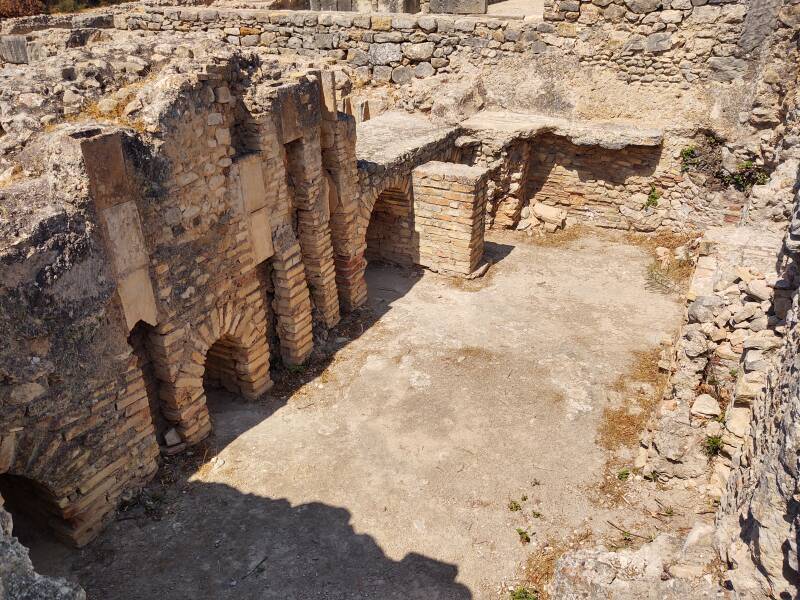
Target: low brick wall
449,210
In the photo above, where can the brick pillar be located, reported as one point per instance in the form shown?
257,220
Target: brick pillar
292,304
310,199
449,214
339,160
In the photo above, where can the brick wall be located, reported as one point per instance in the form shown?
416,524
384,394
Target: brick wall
449,209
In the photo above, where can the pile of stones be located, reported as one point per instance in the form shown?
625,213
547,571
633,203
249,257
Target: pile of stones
540,217
720,370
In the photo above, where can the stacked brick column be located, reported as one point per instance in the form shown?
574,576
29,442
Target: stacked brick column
305,168
449,215
340,163
292,303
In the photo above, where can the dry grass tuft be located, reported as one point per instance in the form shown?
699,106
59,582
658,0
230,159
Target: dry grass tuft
664,239
93,112
541,564
621,426
671,276
562,237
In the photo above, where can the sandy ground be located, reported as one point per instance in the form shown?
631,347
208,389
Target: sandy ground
389,474
515,8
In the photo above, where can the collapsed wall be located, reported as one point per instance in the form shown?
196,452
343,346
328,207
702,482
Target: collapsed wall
18,580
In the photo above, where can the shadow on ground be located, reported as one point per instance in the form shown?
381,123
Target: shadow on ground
223,543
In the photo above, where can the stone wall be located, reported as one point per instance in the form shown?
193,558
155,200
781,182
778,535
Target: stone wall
637,187
666,47
76,421
599,178
759,515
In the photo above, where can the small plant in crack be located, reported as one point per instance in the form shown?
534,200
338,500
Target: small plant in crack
689,158
652,198
653,476
514,506
746,175
623,474
524,536
712,445
523,593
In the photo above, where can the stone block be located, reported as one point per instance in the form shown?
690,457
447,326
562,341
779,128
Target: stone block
384,54
14,49
105,166
398,6
261,234
135,292
251,175
402,75
125,237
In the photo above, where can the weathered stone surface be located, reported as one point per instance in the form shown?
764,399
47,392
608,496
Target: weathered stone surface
642,6
18,580
402,74
726,68
13,49
419,52
384,54
640,574
759,289
706,406
549,214
704,308
658,42
462,7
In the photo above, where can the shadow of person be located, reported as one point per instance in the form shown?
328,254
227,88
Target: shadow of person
217,542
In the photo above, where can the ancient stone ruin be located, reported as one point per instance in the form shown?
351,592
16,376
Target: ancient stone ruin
221,222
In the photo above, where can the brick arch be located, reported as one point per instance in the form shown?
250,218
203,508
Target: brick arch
241,328
31,487
397,185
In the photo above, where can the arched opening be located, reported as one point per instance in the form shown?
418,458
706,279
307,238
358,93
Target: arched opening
391,249
230,377
35,518
221,367
138,341
390,233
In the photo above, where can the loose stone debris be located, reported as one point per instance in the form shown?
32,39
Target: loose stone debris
190,199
